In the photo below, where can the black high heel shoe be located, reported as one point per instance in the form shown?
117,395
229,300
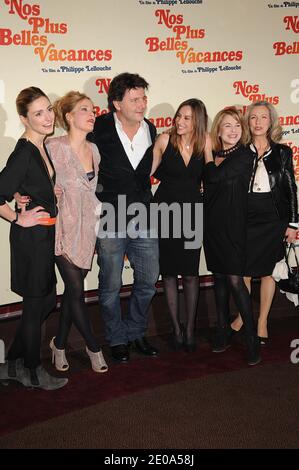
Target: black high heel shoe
179,339
236,332
263,340
190,344
253,350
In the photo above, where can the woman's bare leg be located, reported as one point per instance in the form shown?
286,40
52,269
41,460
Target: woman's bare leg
267,293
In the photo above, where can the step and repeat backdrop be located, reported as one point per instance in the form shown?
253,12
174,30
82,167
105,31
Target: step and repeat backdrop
224,52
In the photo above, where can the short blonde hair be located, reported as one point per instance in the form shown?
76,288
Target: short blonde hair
65,105
274,132
229,111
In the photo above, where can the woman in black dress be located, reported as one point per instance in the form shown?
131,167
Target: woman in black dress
226,180
272,203
180,156
32,236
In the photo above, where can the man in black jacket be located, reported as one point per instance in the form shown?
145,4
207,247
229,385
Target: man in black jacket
124,139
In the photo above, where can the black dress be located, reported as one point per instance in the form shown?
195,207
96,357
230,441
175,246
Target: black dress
225,212
32,248
180,184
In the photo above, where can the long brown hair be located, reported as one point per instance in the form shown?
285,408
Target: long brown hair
199,121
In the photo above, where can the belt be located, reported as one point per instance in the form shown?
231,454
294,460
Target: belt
47,221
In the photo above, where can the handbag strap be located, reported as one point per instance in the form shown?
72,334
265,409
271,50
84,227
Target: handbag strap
287,254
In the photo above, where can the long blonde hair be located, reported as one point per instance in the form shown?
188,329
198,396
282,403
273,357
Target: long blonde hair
274,132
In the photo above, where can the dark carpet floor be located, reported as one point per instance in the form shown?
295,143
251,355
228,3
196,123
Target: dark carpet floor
241,409
177,401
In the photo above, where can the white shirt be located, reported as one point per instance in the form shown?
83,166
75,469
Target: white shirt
261,179
136,148
260,183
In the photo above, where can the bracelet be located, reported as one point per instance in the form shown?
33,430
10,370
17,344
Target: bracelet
16,219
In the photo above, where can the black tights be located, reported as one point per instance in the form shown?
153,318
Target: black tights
224,285
73,308
191,291
27,341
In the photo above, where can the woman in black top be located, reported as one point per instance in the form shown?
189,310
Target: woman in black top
226,179
180,173
32,235
272,201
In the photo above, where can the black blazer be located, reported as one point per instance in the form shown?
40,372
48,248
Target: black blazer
116,174
279,166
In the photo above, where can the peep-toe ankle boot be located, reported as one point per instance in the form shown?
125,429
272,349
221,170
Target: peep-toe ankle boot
97,360
58,357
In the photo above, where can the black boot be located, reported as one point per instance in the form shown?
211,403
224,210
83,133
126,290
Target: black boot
222,339
253,350
11,370
40,378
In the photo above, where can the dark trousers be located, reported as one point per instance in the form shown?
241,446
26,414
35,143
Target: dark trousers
27,341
